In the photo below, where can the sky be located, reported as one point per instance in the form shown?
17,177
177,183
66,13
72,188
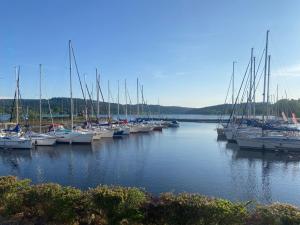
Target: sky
181,50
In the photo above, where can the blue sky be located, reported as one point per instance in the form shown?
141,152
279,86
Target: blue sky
181,50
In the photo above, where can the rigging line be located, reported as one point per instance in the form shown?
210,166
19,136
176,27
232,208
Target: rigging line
243,106
240,105
226,106
130,103
260,61
238,93
261,57
102,96
91,101
13,106
78,75
262,72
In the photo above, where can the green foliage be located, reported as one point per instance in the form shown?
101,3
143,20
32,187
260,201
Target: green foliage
195,209
23,203
275,214
119,203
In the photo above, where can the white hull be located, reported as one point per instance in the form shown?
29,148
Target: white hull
134,129
15,143
229,133
232,133
84,138
102,133
43,141
140,129
73,137
270,143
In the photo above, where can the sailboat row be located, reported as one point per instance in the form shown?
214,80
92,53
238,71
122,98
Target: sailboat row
249,131
16,138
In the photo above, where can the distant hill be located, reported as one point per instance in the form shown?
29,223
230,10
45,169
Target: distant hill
61,106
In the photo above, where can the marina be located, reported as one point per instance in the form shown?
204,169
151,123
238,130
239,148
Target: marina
185,159
150,112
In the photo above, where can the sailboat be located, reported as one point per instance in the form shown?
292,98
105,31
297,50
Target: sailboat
39,139
139,127
71,136
13,138
98,130
285,138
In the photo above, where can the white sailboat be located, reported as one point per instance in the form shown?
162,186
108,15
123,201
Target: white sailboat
72,136
12,139
39,139
15,142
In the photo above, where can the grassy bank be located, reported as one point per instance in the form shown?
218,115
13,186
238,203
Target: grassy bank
24,203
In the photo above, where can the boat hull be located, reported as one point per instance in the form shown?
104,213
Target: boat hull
44,141
15,144
270,143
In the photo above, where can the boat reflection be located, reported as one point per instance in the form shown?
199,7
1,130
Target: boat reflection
263,155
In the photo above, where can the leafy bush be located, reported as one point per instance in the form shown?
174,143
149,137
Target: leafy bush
23,203
194,209
275,214
118,203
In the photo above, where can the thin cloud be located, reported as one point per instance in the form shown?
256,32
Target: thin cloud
160,75
290,71
163,75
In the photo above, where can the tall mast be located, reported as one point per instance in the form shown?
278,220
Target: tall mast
86,110
142,92
71,94
118,100
268,87
137,96
277,108
125,99
97,90
233,68
17,93
265,71
254,87
108,99
40,98
250,84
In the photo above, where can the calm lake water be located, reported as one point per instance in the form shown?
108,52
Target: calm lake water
189,158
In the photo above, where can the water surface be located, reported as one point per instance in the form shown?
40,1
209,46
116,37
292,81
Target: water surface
189,158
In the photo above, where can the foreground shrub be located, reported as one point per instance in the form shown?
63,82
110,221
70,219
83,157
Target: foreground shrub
194,209
11,198
275,214
23,203
119,203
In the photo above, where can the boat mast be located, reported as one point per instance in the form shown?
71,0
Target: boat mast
97,90
71,94
137,97
277,106
142,96
125,99
250,85
254,87
232,96
233,70
118,100
86,109
40,98
268,87
265,73
17,93
108,99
